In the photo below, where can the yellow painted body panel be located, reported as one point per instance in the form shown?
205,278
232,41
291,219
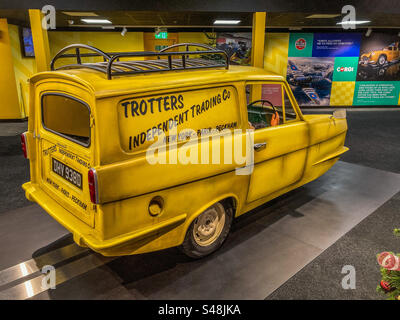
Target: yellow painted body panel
296,152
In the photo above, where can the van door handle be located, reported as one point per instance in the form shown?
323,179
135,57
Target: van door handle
260,146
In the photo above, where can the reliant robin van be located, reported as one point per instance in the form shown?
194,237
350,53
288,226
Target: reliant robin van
134,155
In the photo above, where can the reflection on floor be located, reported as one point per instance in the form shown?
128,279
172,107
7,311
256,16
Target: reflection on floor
266,248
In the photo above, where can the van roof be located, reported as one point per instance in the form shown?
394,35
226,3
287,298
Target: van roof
126,84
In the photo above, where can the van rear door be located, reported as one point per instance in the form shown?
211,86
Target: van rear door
65,131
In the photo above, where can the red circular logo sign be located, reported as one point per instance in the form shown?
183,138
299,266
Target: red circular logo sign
300,44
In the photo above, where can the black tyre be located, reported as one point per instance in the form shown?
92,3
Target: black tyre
382,60
208,231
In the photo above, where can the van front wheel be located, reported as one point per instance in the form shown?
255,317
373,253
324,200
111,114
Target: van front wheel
208,231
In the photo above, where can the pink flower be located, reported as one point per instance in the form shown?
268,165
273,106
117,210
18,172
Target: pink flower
389,261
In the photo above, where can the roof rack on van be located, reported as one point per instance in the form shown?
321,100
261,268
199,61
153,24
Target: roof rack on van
175,60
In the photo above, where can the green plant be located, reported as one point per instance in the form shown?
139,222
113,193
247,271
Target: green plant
390,272
390,283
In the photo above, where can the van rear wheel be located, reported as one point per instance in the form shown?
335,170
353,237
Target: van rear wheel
208,231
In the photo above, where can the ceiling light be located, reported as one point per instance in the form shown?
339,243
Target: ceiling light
227,21
80,14
96,21
323,16
353,22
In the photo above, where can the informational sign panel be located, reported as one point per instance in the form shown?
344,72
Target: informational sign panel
336,45
376,93
341,69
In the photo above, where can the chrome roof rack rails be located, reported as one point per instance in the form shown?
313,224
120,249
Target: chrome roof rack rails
164,60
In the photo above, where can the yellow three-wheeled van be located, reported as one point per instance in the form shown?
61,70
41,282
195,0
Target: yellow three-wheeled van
134,155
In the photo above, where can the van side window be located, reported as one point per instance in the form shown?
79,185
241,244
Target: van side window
67,117
268,105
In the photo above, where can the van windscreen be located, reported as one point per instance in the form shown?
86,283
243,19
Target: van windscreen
66,116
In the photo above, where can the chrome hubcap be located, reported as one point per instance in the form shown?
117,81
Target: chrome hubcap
208,226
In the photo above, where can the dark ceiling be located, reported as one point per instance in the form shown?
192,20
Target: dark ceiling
272,6
202,20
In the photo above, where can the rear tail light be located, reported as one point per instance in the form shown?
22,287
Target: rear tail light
92,178
24,145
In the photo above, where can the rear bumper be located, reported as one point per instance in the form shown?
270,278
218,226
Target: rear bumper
83,234
79,229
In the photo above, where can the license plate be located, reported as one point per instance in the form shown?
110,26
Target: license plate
66,172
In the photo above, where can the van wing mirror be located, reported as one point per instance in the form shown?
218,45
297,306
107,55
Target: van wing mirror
340,114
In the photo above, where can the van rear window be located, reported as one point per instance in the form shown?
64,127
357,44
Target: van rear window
67,117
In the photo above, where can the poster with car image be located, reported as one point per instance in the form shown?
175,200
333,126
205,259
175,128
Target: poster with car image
378,72
237,45
379,58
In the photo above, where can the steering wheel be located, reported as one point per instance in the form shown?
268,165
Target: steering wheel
262,103
275,116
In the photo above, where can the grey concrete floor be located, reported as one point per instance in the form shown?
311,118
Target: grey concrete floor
265,249
14,170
